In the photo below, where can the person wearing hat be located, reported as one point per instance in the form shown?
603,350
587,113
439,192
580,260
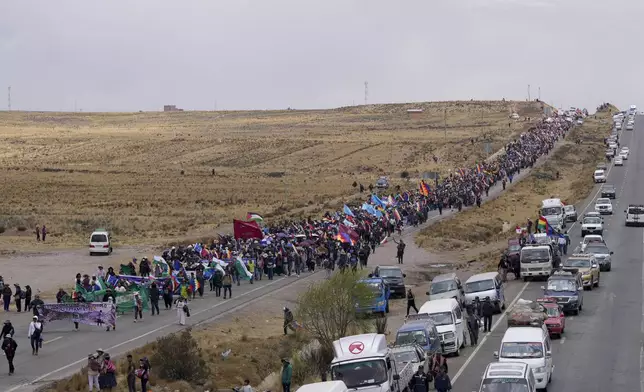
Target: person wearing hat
7,329
9,346
287,373
100,273
488,310
138,307
35,330
93,370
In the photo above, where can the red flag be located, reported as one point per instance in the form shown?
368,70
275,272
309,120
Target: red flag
246,230
347,234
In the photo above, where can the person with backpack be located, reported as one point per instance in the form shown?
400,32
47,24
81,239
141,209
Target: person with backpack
143,372
93,370
34,334
107,377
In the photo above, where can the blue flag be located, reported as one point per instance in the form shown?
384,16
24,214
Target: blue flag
347,211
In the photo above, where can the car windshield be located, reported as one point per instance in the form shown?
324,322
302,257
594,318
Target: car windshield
408,337
577,263
592,221
390,273
636,210
552,311
442,287
406,356
521,350
375,288
534,254
603,201
551,211
481,285
98,238
561,285
360,374
608,188
569,208
601,172
442,318
504,385
597,250
514,248
588,239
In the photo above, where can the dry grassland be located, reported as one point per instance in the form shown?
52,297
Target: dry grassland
148,177
479,232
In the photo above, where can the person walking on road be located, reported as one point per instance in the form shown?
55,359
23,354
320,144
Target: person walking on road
6,297
488,310
400,251
34,335
228,285
154,298
287,373
138,307
473,327
7,329
181,310
9,346
411,302
442,383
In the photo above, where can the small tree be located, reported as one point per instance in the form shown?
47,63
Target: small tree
355,184
328,309
380,324
404,174
178,357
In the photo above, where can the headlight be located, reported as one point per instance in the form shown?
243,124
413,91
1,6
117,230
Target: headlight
586,275
541,369
574,298
381,303
449,335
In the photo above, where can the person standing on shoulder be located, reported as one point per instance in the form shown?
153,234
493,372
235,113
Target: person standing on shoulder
401,250
93,369
488,310
411,302
287,373
131,374
288,320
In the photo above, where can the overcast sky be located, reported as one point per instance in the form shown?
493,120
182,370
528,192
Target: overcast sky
118,55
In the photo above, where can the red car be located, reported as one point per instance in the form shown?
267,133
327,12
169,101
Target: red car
556,321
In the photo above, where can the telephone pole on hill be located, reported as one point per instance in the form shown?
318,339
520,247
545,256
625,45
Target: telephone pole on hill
366,92
528,92
9,98
539,93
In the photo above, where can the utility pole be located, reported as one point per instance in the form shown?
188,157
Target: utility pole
539,93
528,92
445,123
366,92
9,98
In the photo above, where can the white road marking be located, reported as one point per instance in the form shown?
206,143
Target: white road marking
562,340
52,340
174,323
482,341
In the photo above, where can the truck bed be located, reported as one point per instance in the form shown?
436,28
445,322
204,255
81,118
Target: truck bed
406,373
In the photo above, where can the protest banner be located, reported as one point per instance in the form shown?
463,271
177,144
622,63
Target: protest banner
89,313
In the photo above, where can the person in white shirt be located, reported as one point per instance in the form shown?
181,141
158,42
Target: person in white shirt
246,387
181,314
34,334
100,273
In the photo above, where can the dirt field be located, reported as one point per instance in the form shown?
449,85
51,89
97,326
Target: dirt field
482,232
148,177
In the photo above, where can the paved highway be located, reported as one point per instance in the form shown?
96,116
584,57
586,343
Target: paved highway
65,351
602,348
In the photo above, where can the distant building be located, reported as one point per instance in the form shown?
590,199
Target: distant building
171,108
414,113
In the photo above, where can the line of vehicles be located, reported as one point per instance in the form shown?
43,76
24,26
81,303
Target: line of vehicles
524,360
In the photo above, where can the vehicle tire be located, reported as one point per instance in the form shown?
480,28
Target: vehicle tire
581,307
464,339
91,253
597,283
110,250
583,234
387,307
457,353
576,311
609,267
525,278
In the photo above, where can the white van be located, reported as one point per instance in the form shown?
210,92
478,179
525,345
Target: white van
448,318
99,242
446,286
324,386
487,284
508,376
532,346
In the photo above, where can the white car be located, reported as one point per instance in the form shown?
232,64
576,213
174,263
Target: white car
618,126
634,215
619,161
592,225
599,176
629,126
580,121
612,145
591,238
99,242
604,206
